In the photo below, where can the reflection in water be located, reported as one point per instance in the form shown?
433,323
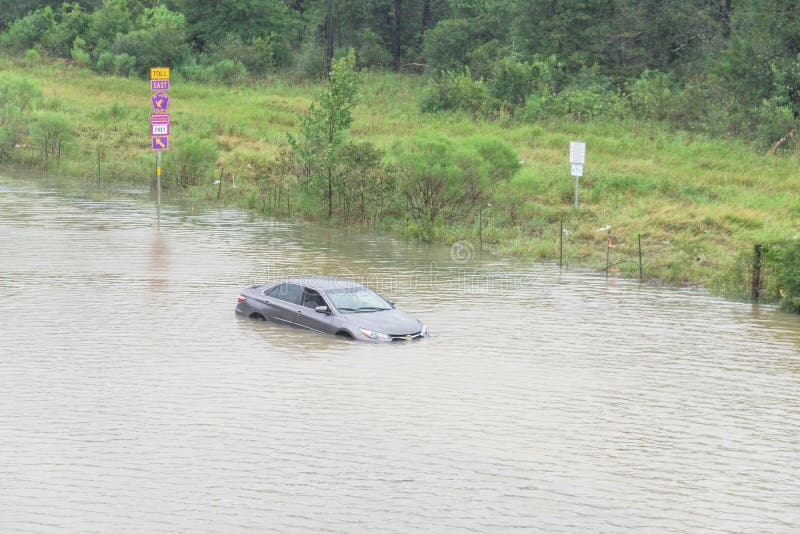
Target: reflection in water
133,398
159,264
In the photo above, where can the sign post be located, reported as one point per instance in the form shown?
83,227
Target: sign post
159,123
577,157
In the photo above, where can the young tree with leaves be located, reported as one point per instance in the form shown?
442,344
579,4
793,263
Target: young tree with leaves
323,131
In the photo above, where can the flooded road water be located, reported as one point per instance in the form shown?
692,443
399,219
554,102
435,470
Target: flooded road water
132,399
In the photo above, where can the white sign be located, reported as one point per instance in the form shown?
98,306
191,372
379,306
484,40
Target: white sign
577,153
159,129
577,169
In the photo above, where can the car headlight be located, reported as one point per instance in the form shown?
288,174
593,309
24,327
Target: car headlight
378,336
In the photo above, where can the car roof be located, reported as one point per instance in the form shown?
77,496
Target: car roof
320,283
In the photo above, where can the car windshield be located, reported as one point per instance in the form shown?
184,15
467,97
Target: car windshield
358,300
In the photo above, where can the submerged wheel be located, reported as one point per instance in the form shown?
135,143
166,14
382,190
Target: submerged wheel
344,333
257,317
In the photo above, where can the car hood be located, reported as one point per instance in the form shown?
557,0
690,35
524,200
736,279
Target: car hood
392,322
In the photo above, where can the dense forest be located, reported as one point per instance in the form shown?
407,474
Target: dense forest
724,67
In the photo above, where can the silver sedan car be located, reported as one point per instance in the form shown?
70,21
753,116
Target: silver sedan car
331,306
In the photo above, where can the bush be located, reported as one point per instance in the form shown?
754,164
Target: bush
72,23
773,119
230,72
51,131
512,81
654,95
30,30
783,260
589,96
105,63
16,96
190,160
444,181
373,51
457,91
79,54
311,60
124,65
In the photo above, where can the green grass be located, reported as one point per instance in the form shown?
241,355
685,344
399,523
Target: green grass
699,203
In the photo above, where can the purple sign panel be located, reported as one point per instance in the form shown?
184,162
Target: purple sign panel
159,85
160,143
159,119
160,102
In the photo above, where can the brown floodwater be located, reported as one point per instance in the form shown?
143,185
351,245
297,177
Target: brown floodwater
133,399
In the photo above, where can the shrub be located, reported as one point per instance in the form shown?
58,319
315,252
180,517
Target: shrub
230,72
310,62
190,160
773,119
124,65
373,51
29,31
445,180
105,62
72,23
784,263
51,130
654,95
16,96
79,54
512,81
457,91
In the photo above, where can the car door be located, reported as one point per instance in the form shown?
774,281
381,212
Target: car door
309,318
283,303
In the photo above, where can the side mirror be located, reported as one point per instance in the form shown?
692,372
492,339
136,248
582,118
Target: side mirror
322,309
391,303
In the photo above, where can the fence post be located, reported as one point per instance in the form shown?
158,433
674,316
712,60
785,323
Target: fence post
219,186
641,277
608,251
755,289
560,242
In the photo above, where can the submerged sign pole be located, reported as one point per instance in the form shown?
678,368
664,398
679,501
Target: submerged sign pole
159,124
577,157
158,186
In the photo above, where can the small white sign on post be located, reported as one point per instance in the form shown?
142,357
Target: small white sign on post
577,152
577,157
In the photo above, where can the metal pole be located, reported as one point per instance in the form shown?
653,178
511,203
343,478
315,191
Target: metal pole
158,188
560,242
576,192
641,276
756,282
480,227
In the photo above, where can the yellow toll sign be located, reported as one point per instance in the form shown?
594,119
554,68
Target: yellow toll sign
159,73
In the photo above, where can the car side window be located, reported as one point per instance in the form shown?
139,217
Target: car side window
312,299
286,292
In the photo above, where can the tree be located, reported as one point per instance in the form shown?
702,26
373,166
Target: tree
329,39
324,129
396,35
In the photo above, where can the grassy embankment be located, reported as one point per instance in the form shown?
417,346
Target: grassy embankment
699,204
